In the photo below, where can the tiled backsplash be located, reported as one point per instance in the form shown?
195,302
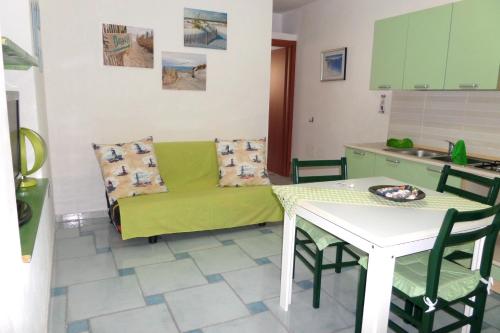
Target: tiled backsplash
430,118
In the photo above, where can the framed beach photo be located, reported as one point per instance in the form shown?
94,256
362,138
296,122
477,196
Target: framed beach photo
333,64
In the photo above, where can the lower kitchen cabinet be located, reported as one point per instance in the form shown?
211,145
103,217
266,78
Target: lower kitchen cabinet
359,163
367,164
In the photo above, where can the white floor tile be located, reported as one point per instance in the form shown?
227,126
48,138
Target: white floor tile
150,319
67,233
57,315
160,278
132,256
261,246
303,318
103,297
343,287
192,242
75,247
203,306
256,283
84,269
260,323
222,259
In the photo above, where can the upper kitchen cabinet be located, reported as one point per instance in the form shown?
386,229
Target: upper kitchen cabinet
474,50
389,49
427,48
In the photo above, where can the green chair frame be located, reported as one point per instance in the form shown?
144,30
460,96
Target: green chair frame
317,266
476,299
492,185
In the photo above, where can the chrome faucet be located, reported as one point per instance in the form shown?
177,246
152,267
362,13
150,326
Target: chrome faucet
451,145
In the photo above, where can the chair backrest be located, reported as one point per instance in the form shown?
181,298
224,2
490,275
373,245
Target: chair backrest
297,165
493,185
446,238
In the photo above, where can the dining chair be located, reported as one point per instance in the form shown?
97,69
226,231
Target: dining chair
432,284
315,236
463,254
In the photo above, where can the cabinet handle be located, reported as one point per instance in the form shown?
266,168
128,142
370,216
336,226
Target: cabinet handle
468,86
384,86
421,86
392,161
430,169
360,153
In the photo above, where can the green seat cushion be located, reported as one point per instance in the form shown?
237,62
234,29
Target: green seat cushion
320,237
410,277
196,210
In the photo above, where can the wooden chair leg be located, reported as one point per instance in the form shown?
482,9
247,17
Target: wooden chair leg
408,309
360,300
479,306
318,263
427,322
338,258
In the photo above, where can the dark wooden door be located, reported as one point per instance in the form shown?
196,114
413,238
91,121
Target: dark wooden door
277,110
281,107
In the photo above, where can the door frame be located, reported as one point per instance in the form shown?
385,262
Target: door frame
290,46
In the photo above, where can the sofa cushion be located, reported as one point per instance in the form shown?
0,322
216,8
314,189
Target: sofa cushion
202,209
129,169
242,162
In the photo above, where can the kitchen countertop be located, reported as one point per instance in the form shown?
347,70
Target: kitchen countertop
378,148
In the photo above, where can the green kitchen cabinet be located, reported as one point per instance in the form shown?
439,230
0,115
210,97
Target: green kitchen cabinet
393,167
389,50
474,47
427,48
360,163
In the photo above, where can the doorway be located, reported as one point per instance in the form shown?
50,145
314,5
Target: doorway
281,106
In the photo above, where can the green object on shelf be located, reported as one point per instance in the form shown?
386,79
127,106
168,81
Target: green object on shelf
459,154
400,143
33,196
40,150
14,57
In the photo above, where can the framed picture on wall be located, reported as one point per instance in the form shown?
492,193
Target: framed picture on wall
333,63
205,29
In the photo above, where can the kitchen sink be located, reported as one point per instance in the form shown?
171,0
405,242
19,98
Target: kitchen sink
416,152
447,158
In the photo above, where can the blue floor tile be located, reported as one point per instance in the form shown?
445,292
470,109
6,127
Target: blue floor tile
126,271
103,250
194,331
214,278
59,291
78,326
262,261
154,299
266,231
306,284
182,255
86,233
257,307
228,242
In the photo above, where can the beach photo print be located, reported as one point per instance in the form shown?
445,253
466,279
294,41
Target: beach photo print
205,29
184,71
127,46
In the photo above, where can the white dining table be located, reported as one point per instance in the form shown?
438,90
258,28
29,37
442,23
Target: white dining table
383,232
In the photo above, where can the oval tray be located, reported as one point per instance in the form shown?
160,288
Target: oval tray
373,189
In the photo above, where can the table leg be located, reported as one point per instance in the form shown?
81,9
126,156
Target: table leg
287,262
378,291
475,264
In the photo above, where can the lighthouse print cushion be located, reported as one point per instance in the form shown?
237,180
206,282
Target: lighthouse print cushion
129,169
242,162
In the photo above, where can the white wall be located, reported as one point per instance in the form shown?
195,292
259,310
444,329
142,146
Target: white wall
343,111
25,288
89,102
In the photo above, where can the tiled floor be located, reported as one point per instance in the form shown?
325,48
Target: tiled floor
211,282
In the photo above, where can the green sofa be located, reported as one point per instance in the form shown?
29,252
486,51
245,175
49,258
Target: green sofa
193,202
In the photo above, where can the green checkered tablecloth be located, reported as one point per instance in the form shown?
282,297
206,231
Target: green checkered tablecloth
289,196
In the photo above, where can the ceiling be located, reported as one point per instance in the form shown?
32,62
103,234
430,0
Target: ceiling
280,6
